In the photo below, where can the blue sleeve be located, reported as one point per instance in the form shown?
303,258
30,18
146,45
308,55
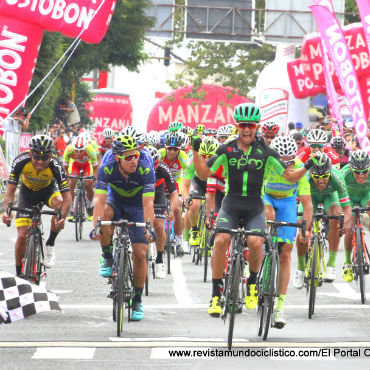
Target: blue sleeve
103,180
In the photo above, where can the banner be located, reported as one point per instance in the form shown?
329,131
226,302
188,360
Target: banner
25,140
337,48
364,10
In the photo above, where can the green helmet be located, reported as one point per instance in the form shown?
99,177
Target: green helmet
247,112
123,143
209,146
175,126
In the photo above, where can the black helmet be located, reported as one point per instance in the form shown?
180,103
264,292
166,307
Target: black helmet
42,144
297,136
21,111
359,160
322,164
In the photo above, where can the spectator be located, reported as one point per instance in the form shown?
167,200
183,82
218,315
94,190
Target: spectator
73,117
60,143
68,136
299,126
291,129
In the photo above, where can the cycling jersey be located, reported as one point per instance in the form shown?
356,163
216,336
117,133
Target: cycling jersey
278,187
89,155
103,146
164,176
23,167
245,172
177,166
336,189
304,153
358,193
129,190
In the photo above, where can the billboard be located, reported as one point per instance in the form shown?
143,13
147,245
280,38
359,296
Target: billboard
163,11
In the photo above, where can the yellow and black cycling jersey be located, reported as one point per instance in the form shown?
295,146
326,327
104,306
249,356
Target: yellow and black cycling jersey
23,167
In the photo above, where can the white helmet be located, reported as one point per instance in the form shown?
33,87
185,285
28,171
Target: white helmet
131,131
86,136
223,131
317,136
284,145
79,143
154,138
108,133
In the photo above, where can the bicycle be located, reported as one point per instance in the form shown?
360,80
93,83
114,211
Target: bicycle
233,294
80,204
205,242
150,260
360,253
170,246
268,276
122,279
315,264
32,263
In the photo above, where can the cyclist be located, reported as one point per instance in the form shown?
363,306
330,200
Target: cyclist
329,188
130,195
245,161
43,181
81,156
317,139
164,179
223,132
356,177
269,131
177,161
198,131
339,145
154,139
299,140
210,132
199,188
106,142
281,204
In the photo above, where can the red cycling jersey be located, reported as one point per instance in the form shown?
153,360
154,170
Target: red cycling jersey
304,153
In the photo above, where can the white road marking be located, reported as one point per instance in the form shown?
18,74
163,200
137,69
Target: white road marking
75,353
176,339
345,290
179,284
56,291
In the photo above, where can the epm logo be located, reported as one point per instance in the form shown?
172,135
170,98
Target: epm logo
243,162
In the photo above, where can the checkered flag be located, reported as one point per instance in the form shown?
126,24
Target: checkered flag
19,298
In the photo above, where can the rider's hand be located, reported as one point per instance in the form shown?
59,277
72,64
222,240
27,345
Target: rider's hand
196,144
150,238
61,223
94,236
6,220
302,239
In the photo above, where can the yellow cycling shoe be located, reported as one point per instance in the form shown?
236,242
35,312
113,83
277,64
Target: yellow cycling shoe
347,273
251,299
215,308
89,218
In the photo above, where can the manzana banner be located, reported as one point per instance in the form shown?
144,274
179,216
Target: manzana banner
364,10
338,51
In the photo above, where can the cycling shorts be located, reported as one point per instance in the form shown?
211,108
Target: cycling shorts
285,210
328,201
75,167
28,198
235,209
130,212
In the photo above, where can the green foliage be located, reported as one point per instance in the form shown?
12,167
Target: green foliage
351,7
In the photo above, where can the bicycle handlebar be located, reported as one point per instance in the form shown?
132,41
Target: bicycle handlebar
357,209
291,224
122,222
237,231
35,210
80,177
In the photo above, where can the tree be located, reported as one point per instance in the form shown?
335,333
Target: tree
122,45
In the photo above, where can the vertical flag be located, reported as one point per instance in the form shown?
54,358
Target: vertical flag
338,51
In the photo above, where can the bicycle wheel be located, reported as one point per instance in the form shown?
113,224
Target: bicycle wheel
261,290
168,248
128,285
360,264
38,259
119,303
77,215
82,215
28,261
235,277
312,278
206,249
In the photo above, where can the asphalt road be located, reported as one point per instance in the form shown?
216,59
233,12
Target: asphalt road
83,334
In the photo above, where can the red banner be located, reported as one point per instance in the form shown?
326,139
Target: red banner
217,108
25,140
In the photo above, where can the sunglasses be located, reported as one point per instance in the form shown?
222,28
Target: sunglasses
243,125
325,176
269,136
41,157
130,157
206,156
360,172
170,148
299,142
316,146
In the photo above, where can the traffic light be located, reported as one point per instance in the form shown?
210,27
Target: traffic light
167,56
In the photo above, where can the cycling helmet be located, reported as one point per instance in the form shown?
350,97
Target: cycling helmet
270,127
223,131
322,164
143,138
247,112
175,126
155,155
173,139
108,133
208,146
185,129
317,136
42,144
190,132
284,145
338,142
79,142
210,132
154,138
123,143
131,131
359,160
86,136
297,136
199,129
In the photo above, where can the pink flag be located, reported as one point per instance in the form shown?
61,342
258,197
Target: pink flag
337,48
364,9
